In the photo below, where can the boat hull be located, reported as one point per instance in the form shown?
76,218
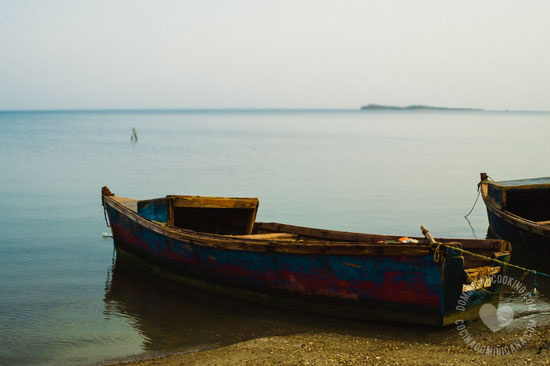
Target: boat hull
517,232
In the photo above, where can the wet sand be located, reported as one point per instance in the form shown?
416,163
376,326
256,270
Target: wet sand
424,347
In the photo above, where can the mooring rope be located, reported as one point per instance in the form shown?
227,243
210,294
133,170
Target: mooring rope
105,215
477,198
527,271
105,192
475,202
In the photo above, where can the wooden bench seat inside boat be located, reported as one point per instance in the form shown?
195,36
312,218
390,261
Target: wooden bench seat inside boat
270,236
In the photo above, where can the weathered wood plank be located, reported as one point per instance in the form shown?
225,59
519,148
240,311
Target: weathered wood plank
286,236
266,227
213,202
128,202
475,274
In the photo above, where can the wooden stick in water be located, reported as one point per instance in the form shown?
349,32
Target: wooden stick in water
134,137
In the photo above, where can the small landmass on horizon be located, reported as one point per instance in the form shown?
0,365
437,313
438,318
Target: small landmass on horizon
414,107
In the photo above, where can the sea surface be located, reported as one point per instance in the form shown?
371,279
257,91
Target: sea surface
66,300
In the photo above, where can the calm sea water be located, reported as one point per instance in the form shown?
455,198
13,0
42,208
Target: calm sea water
66,300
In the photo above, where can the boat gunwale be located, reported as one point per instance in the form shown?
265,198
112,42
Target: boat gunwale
265,245
466,243
503,187
321,247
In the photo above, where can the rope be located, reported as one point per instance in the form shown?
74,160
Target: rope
105,215
105,192
477,198
532,271
475,202
527,271
437,255
105,212
534,292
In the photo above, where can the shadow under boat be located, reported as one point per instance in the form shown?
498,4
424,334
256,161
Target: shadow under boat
172,316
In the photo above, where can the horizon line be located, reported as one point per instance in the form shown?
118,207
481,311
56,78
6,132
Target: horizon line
260,109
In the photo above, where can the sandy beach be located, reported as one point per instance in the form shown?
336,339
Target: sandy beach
427,347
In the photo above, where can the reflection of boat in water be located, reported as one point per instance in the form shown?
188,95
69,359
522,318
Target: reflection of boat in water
215,243
523,256
519,210
174,317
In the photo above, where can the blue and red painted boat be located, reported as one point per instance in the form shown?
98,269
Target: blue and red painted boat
215,243
518,210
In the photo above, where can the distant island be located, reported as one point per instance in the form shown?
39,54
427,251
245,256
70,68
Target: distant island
414,108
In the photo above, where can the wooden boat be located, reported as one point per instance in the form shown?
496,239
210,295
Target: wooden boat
215,243
519,210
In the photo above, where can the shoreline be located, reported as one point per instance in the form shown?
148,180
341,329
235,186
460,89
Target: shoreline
422,347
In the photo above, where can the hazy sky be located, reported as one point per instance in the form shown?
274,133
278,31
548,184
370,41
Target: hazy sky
274,54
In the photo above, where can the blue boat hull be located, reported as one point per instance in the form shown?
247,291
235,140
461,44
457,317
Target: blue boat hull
508,230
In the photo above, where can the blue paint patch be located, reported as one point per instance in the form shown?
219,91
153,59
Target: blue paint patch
155,210
496,194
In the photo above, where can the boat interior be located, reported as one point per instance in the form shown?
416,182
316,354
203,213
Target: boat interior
531,204
528,199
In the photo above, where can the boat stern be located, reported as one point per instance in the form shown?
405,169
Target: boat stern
466,290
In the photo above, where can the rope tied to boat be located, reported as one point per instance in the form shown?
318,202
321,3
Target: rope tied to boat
477,198
105,191
534,273
437,257
437,254
475,202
